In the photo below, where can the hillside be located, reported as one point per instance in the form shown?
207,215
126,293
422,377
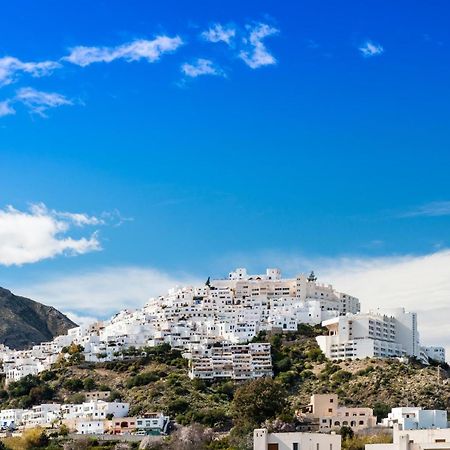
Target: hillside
24,322
159,381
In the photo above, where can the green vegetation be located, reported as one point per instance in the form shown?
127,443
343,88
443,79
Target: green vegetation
155,379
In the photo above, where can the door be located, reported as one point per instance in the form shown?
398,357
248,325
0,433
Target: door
272,446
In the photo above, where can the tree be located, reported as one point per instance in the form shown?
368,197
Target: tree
346,433
381,410
63,430
257,401
89,384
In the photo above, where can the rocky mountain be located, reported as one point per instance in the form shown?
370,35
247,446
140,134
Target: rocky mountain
24,322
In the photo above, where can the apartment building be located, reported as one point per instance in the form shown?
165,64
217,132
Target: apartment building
384,333
238,362
416,418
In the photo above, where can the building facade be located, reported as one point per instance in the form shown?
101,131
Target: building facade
263,440
412,418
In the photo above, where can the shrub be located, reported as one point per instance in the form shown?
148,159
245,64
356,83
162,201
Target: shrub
73,384
256,401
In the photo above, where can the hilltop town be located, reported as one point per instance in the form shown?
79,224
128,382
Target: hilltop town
187,357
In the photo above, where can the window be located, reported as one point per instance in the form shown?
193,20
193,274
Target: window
295,446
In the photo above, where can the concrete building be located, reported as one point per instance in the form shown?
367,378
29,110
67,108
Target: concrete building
437,439
263,440
153,423
435,353
97,395
239,362
10,418
324,409
90,427
384,333
412,418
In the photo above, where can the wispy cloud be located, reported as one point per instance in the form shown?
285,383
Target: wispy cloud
201,67
256,54
149,50
6,109
10,67
432,209
39,102
219,33
369,49
103,292
40,233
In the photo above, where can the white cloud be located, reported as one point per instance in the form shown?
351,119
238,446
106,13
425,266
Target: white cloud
38,234
103,292
219,33
80,219
150,50
257,55
39,102
6,109
10,67
369,49
432,209
201,67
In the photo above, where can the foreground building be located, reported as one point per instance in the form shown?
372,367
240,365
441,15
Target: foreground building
263,440
438,439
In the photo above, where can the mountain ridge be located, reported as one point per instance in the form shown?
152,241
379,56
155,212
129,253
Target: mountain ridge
25,322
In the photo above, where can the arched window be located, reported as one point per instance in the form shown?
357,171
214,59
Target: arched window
337,424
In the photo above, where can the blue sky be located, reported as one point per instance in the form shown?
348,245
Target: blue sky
312,134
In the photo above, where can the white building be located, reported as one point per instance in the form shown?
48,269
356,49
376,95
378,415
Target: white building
50,414
263,440
41,415
433,439
435,353
90,426
239,362
412,418
380,334
10,418
153,423
95,410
